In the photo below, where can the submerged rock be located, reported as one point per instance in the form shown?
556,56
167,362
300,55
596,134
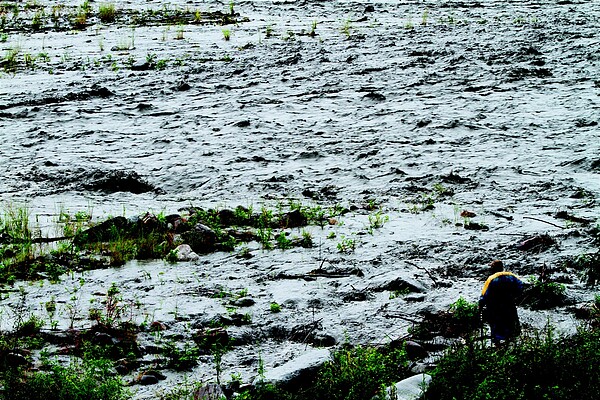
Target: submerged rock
119,181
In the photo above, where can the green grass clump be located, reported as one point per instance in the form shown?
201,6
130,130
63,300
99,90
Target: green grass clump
106,12
539,366
89,378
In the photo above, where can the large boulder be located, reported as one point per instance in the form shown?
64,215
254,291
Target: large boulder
294,373
412,388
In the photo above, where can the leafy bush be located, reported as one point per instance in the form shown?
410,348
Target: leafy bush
543,294
89,378
464,312
541,366
359,373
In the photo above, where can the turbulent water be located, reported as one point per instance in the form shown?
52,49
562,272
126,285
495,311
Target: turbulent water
487,106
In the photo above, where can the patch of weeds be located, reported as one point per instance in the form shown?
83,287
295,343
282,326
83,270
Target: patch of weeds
313,29
183,359
226,34
283,242
289,36
461,320
179,33
465,313
172,257
80,19
37,22
399,293
360,373
275,308
183,391
161,64
114,309
307,239
377,220
268,31
425,17
90,377
106,12
543,294
353,374
426,201
533,367
346,245
346,28
588,264
10,59
197,16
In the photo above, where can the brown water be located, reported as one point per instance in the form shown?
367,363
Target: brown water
495,101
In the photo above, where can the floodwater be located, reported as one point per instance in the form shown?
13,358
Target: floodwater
486,106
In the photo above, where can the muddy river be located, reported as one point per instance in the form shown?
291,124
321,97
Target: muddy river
406,113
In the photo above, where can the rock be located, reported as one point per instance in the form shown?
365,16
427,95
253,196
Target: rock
293,219
212,336
185,253
147,379
209,391
536,243
140,65
104,339
200,238
412,388
176,223
16,360
243,302
414,350
294,373
393,282
103,232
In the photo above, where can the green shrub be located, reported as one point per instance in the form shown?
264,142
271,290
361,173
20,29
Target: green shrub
543,295
88,378
540,366
106,12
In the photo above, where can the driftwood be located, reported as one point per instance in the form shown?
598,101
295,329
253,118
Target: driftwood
433,278
545,222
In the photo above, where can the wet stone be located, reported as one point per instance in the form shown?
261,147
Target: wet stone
140,65
148,380
209,391
185,253
201,239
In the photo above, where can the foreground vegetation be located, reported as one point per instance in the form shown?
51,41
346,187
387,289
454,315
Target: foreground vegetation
538,365
541,365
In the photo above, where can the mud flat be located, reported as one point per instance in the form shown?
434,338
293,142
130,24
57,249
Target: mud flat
405,114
